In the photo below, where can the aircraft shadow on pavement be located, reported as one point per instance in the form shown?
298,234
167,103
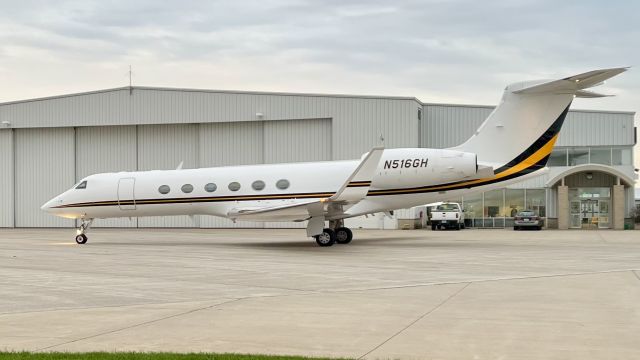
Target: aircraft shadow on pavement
399,242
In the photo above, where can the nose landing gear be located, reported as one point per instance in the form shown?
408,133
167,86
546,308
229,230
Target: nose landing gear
81,238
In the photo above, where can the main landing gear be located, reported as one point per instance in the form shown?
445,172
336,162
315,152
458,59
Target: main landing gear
335,233
81,238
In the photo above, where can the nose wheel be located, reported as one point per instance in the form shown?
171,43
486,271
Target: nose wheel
81,238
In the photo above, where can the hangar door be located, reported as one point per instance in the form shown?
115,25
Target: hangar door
45,167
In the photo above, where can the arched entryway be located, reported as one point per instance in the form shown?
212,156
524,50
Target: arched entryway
591,196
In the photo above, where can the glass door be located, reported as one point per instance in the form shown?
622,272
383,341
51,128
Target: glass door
575,215
603,215
589,213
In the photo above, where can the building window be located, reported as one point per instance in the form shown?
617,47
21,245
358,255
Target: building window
578,157
601,156
234,186
493,202
258,185
536,201
210,187
514,202
164,189
473,210
282,184
187,188
82,185
621,156
558,157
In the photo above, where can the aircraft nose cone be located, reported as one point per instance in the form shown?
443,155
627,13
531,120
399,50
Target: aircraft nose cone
47,206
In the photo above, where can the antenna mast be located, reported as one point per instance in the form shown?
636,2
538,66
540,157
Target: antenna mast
130,73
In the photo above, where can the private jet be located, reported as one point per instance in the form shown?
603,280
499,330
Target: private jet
512,144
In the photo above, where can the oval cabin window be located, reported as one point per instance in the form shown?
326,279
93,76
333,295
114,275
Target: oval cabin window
187,188
210,187
164,189
258,185
282,184
234,186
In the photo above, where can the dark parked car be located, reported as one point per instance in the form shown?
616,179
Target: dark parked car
527,219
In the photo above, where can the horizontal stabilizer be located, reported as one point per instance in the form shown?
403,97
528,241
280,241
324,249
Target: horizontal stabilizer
573,84
590,94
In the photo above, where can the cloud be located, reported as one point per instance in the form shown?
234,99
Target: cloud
453,51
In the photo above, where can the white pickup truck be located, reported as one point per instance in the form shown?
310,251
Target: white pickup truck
447,216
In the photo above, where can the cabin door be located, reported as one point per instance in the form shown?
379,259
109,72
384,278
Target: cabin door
126,194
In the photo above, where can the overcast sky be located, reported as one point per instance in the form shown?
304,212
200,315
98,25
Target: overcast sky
437,51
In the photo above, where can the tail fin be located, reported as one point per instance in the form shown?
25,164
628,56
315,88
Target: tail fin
523,128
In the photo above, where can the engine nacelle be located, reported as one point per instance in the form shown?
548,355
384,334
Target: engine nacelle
422,167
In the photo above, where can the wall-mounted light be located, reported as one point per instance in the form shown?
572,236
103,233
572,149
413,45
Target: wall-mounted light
6,123
259,115
589,176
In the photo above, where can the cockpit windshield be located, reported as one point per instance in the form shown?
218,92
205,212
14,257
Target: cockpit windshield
82,185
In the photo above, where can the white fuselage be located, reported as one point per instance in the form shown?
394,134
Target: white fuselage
403,178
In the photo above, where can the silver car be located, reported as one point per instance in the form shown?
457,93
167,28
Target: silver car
527,219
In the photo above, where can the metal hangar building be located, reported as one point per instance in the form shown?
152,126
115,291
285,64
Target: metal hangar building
48,144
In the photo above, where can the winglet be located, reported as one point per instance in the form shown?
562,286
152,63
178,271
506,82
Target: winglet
573,84
357,185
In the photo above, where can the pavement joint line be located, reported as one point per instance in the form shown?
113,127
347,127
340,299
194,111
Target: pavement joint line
177,278
483,280
110,306
321,291
229,300
139,324
416,320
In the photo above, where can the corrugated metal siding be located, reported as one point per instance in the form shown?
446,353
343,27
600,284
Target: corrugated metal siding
224,144
297,140
108,108
6,178
92,143
358,125
446,126
44,168
358,122
593,129
163,147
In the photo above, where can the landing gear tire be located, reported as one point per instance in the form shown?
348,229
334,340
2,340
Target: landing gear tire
327,238
515,228
433,227
343,235
81,239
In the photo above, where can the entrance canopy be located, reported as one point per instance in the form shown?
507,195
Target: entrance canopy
624,178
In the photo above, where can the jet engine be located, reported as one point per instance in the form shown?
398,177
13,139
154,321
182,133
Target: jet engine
424,167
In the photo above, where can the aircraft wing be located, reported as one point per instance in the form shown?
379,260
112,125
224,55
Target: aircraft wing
353,190
294,211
